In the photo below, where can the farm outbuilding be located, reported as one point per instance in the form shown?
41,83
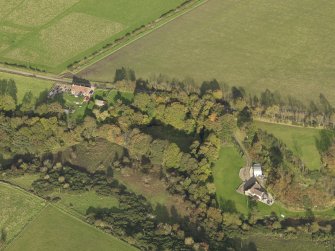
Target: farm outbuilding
257,170
99,103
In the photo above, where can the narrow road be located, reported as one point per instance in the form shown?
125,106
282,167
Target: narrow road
38,76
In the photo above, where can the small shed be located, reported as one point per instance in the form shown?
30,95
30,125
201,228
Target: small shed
257,170
99,103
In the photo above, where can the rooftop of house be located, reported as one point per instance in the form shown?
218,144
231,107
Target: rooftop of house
81,90
256,191
249,183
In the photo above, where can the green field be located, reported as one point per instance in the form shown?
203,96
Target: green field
226,179
68,30
26,84
80,202
55,230
17,209
283,45
299,140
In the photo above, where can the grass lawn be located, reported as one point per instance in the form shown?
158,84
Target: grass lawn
17,209
80,202
55,230
68,30
26,84
226,179
76,105
299,140
281,45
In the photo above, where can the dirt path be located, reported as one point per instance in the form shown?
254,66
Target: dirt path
38,76
258,119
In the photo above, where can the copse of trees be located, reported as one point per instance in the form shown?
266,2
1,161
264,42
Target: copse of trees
244,116
8,95
325,141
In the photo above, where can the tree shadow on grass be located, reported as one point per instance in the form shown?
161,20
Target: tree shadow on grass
227,206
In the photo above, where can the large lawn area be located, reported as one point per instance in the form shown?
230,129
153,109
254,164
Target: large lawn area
226,180
26,84
68,30
80,202
17,209
283,45
55,230
299,140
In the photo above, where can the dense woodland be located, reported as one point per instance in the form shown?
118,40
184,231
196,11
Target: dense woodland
34,133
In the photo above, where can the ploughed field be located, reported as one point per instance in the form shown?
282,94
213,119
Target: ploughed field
51,34
281,45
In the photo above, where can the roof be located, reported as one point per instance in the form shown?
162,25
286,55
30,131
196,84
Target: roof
250,183
257,167
100,102
257,192
77,90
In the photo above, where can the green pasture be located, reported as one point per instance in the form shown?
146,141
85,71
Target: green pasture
300,140
280,45
26,84
55,230
17,209
68,30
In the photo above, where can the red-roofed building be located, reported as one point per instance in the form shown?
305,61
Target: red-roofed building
78,90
